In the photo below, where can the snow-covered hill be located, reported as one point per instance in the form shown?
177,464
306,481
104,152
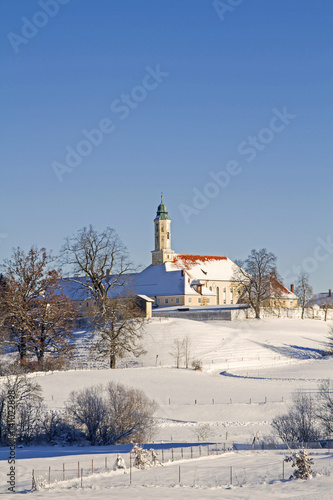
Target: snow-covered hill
250,370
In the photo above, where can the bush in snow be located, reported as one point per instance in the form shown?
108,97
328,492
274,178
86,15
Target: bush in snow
141,457
154,460
302,463
197,365
119,463
115,414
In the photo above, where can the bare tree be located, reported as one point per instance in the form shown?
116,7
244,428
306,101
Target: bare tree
37,318
103,261
177,351
119,329
187,350
300,423
130,414
88,410
303,290
253,276
21,403
324,407
326,305
329,349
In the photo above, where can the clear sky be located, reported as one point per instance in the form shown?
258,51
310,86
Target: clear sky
224,106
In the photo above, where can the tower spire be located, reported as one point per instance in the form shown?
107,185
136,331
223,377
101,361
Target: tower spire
162,222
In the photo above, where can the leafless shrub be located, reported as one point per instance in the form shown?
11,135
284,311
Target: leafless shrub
197,365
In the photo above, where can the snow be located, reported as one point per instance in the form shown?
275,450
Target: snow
250,370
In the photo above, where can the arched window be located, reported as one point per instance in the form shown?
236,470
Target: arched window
168,235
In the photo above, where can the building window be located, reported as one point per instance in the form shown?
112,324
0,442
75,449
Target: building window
224,295
210,288
199,300
189,300
162,229
217,295
177,300
166,301
231,295
80,304
208,301
171,300
158,301
168,236
284,302
291,302
87,304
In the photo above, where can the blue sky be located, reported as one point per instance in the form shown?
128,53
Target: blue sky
199,91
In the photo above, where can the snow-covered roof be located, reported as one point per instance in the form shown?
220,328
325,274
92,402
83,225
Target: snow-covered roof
204,267
144,297
322,299
281,291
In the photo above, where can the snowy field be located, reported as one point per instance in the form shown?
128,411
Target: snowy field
250,370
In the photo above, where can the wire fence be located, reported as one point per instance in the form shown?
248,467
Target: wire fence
182,465
42,478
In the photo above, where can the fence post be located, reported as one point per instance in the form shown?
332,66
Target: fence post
216,448
78,470
230,475
171,454
92,465
130,467
283,470
106,464
49,475
199,451
179,474
191,452
182,450
208,449
162,456
63,472
81,477
33,484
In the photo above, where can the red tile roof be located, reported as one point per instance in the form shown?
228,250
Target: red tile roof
190,260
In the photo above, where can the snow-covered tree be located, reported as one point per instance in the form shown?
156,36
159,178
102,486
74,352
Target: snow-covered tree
141,457
302,464
119,463
154,460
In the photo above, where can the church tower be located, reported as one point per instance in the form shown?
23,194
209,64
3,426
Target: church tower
162,252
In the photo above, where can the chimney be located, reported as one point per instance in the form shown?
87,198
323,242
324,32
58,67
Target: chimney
330,293
292,288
